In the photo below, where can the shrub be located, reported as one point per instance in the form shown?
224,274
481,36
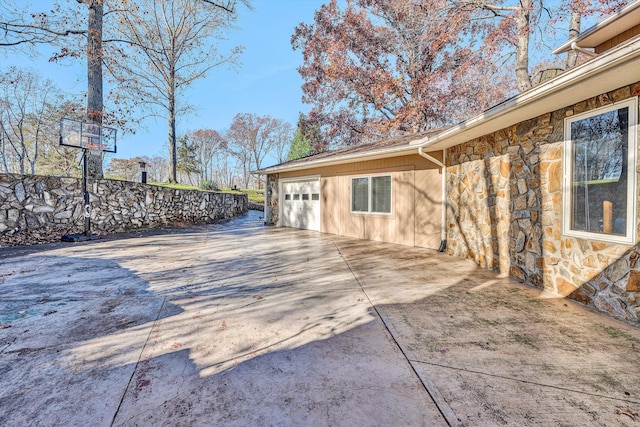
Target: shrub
210,185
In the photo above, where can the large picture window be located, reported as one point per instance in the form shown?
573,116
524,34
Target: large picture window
599,161
371,194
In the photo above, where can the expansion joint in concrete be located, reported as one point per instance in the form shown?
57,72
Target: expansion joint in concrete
135,368
445,410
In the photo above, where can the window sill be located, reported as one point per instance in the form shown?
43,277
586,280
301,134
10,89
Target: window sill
372,214
605,238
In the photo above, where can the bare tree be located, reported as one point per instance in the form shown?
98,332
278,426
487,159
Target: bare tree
55,159
252,137
225,173
515,22
283,134
188,165
28,105
207,143
157,168
124,169
168,44
25,28
575,19
242,154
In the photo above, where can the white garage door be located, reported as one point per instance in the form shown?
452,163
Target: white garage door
300,201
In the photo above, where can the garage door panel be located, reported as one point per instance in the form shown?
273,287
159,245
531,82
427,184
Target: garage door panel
301,204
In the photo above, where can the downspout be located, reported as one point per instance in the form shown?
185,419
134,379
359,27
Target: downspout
574,46
443,227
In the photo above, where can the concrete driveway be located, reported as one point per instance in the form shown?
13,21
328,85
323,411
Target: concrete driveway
235,324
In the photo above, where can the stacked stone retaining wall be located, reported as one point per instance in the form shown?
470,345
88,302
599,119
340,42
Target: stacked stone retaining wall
33,202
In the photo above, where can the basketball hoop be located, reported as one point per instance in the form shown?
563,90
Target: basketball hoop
94,139
95,149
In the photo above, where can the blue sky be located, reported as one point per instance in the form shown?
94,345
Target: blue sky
266,82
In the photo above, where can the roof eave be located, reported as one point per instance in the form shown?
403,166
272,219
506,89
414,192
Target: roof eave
602,31
338,160
613,70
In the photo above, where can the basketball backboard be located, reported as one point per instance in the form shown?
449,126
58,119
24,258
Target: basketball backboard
90,136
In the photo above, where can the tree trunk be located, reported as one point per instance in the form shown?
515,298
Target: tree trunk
574,30
34,160
4,152
173,151
94,80
23,148
522,47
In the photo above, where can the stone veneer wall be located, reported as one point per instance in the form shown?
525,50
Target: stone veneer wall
272,195
29,202
505,213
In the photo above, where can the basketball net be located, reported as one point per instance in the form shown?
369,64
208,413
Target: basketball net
96,149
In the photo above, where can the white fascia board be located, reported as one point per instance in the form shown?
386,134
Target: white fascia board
627,18
405,150
607,72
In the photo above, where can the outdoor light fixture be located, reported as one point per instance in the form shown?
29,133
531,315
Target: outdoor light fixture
143,166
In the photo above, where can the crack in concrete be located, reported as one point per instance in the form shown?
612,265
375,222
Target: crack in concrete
2,351
503,377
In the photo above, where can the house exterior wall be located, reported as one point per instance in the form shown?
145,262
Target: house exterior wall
416,198
620,38
505,208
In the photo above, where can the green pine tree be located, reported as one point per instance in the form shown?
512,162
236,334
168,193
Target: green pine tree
299,147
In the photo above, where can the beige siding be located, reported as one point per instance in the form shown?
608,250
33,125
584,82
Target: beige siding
620,38
416,193
330,205
428,199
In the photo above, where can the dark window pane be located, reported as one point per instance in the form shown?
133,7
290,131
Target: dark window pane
599,173
381,194
360,194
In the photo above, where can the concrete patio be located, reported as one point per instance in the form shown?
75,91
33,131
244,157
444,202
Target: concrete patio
235,324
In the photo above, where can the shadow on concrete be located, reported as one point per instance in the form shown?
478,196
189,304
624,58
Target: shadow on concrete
254,326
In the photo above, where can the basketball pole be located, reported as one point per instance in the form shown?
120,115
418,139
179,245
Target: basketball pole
96,140
86,209
85,193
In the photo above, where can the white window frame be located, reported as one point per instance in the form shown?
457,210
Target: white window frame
630,235
370,198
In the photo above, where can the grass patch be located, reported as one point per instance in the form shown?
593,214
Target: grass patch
176,186
616,333
488,321
255,196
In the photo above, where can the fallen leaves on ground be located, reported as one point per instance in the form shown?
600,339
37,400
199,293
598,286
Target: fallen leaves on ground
34,237
628,412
